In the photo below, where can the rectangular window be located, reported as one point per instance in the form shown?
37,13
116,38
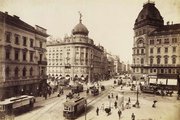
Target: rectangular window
151,42
8,37
31,42
158,41
142,51
174,49
31,56
166,50
40,57
24,41
24,56
137,51
7,54
17,39
40,45
16,55
166,41
158,50
174,40
151,50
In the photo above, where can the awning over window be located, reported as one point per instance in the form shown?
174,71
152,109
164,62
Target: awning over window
162,81
172,82
152,80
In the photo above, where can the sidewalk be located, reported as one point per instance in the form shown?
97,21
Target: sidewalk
40,99
167,108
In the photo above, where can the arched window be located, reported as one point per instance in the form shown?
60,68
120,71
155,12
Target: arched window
24,72
31,71
158,59
174,59
16,72
166,60
151,60
7,72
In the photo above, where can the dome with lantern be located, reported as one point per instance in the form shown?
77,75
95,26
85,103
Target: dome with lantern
80,29
149,15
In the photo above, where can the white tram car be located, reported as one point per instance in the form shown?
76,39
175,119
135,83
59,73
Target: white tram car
13,104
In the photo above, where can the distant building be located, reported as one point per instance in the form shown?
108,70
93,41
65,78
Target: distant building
156,49
23,59
117,66
76,57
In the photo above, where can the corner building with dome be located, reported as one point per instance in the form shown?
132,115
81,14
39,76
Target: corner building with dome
76,57
156,47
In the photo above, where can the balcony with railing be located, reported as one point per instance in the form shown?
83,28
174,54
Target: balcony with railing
42,62
137,65
40,49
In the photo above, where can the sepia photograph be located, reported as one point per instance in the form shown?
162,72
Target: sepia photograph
89,59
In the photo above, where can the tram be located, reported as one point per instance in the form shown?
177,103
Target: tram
74,107
15,104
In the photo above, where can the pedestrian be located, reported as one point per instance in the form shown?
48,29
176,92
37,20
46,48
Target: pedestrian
115,104
116,97
119,113
102,107
112,95
97,111
109,96
154,104
87,91
129,100
133,116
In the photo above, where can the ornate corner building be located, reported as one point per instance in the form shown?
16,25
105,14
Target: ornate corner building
156,47
76,56
22,57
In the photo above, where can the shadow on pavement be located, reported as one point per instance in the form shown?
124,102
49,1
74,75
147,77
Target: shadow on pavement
26,111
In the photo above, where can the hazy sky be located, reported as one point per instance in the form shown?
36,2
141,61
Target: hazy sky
110,22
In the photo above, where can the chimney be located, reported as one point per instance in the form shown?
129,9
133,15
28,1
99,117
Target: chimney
167,22
6,12
171,22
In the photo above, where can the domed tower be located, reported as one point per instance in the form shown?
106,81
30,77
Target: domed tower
148,20
80,29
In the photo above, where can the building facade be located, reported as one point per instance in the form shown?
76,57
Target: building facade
76,56
23,57
156,48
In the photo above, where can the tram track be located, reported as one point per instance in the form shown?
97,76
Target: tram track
36,114
100,97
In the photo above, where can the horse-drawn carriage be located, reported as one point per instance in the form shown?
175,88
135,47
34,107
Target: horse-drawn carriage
94,90
77,88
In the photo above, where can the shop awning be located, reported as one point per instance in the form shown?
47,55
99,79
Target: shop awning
162,81
172,82
152,80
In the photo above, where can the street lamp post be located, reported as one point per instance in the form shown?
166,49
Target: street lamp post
137,102
85,109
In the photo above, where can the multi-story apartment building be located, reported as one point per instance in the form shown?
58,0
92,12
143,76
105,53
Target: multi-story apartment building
117,66
76,56
22,57
156,49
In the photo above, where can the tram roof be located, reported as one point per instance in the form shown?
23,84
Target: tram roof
15,99
74,101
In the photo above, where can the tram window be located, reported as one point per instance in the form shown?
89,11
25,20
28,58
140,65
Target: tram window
1,108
